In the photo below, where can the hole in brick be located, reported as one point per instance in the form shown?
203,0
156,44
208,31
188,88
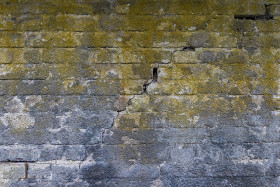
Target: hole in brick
155,74
145,88
267,9
190,48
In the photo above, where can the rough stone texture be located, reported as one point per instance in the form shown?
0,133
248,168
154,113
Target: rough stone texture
156,93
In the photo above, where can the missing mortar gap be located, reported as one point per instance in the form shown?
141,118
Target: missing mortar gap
254,17
153,79
155,74
26,170
16,161
190,48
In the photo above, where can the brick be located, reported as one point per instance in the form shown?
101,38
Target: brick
244,7
19,153
65,172
275,9
71,22
184,57
243,25
268,25
221,23
28,22
147,55
20,71
126,71
172,87
112,39
196,135
12,39
115,87
20,56
144,7
13,171
52,39
69,7
234,181
64,55
39,171
251,40
106,56
78,71
236,72
138,136
6,23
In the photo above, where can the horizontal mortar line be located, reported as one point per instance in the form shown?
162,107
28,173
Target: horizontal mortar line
60,80
36,79
207,94
141,62
121,144
107,30
190,126
128,63
236,143
98,30
180,113
125,47
58,95
123,31
167,47
94,144
23,79
173,127
223,177
51,47
134,48
170,145
116,13
90,96
242,143
140,94
113,12
198,94
16,161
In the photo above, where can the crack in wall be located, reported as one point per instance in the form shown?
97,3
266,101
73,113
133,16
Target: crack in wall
118,111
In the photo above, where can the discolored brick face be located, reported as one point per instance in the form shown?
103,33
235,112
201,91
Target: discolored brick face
139,93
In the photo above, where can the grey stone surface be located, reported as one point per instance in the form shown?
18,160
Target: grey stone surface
134,93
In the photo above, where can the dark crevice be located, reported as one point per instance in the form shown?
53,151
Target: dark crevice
267,9
266,16
154,79
145,88
155,74
254,17
26,170
190,48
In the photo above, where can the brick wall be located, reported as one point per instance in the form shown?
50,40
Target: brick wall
139,93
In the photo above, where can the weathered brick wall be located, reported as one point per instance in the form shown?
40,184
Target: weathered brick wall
139,93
